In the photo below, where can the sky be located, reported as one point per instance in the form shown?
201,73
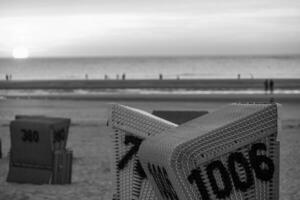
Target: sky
71,28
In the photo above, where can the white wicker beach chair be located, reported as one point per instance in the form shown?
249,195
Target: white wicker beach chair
130,127
231,154
38,152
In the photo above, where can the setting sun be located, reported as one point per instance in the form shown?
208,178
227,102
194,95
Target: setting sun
20,52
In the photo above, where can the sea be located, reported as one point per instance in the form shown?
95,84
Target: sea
184,67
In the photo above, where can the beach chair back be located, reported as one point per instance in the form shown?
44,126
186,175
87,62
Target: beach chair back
31,142
130,127
61,132
232,153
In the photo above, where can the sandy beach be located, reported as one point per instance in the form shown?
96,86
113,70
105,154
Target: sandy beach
90,141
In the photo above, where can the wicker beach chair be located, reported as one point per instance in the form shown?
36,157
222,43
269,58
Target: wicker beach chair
130,127
61,126
38,152
231,154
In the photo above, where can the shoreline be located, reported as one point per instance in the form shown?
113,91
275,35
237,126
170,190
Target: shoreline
192,84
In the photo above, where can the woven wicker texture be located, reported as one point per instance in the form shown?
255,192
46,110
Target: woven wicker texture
231,153
130,127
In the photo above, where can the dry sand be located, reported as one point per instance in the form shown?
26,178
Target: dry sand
89,139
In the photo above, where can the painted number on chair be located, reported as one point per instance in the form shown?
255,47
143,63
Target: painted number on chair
30,135
262,165
59,135
135,142
163,182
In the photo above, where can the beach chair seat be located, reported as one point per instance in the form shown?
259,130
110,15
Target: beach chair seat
179,116
232,153
33,175
59,173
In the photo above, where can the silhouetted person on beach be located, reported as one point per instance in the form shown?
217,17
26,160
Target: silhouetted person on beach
271,86
105,77
123,76
6,77
160,77
266,83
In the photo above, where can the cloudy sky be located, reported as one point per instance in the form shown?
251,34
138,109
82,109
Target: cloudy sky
156,27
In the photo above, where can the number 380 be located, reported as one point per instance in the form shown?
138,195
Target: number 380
30,135
262,165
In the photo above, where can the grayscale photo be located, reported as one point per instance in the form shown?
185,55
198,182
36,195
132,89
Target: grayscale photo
150,100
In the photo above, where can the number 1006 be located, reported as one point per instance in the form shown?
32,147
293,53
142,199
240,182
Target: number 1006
262,165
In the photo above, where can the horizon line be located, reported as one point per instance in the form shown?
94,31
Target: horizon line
156,56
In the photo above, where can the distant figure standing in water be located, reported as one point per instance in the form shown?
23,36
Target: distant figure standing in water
266,84
271,86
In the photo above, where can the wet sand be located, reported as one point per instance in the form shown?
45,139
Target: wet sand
200,84
90,141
